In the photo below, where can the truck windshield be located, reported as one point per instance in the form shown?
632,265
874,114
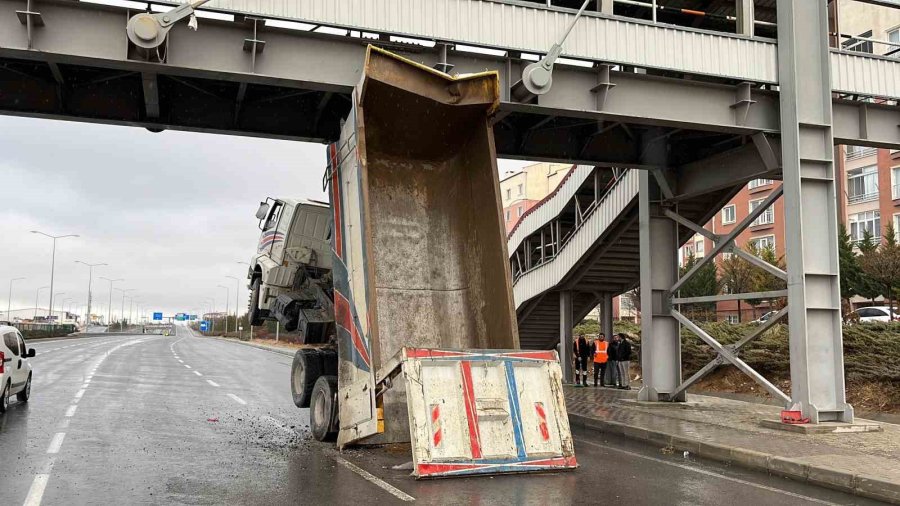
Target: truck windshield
273,216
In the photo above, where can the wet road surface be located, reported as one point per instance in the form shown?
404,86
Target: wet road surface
125,419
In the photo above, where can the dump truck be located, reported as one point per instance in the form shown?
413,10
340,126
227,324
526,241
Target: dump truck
400,286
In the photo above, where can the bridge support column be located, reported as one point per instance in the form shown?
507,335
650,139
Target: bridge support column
565,335
810,209
606,315
660,340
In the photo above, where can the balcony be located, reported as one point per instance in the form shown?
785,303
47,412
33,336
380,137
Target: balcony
866,197
856,152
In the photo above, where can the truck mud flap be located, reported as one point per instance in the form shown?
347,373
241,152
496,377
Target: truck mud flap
486,412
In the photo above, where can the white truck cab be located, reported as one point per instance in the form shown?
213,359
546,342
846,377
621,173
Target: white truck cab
293,257
15,370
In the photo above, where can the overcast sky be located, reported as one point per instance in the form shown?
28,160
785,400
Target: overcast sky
171,213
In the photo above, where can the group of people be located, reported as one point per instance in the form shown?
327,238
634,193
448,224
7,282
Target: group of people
611,360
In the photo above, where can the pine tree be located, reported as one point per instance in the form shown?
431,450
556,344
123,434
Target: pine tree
882,266
851,275
703,283
736,276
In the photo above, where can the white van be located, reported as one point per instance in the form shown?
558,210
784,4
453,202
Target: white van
15,371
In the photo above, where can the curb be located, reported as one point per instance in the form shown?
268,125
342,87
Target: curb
257,346
824,476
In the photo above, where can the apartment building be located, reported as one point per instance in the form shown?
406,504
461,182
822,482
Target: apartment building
523,189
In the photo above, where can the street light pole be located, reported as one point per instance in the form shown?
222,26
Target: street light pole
87,322
37,297
53,260
109,309
52,295
9,301
122,317
227,305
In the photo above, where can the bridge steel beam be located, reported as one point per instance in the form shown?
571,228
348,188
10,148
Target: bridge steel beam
810,209
566,346
323,63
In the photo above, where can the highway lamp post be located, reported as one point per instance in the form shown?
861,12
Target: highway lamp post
122,314
211,307
227,305
37,297
109,308
52,295
237,288
9,301
53,261
87,321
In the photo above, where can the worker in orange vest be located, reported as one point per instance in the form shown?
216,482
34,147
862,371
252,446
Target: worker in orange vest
600,358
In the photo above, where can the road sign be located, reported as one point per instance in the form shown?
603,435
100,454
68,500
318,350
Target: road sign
157,316
204,326
193,317
180,317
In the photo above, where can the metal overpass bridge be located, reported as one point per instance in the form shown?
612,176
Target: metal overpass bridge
697,109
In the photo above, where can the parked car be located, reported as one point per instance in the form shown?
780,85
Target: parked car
874,314
15,370
764,318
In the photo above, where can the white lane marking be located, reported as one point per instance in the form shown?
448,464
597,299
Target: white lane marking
56,442
237,399
387,487
182,361
187,366
36,492
79,393
213,383
71,411
197,373
710,473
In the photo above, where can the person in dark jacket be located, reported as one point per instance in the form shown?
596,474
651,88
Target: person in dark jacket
612,369
623,361
583,352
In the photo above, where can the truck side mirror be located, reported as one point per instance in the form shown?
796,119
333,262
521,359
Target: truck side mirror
263,211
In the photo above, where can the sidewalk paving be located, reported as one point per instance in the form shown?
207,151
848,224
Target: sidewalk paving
866,464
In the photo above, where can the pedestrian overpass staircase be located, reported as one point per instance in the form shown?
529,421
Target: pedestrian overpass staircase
583,239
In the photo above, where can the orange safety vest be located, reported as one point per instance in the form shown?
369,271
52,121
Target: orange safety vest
600,355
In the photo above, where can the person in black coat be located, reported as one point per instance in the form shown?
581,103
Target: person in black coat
583,351
612,368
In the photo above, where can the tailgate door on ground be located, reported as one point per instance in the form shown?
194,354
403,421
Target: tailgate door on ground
486,412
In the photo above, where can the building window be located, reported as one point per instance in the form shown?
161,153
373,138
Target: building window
766,218
520,190
508,194
861,222
897,227
756,183
507,215
521,210
727,255
728,214
699,248
893,36
862,184
688,250
861,46
764,242
732,319
895,189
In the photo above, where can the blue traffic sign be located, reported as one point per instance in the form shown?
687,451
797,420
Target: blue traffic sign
157,316
204,326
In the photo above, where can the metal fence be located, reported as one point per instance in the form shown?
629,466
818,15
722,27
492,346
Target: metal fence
44,328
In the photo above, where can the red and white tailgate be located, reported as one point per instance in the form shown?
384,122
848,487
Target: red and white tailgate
486,412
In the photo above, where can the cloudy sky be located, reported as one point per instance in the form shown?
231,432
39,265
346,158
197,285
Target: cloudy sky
171,213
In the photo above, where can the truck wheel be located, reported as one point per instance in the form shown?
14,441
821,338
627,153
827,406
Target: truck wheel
329,361
253,314
305,371
323,412
25,394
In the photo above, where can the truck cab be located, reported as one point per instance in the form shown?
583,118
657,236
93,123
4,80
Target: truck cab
290,275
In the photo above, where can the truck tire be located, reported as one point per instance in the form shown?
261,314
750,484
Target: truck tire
329,361
306,369
253,313
323,411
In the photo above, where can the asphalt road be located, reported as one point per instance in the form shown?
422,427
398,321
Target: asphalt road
189,420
